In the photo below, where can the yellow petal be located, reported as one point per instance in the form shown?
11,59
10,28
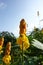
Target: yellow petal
0,47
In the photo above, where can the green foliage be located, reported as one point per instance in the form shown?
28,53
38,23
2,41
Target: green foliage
31,56
8,37
36,34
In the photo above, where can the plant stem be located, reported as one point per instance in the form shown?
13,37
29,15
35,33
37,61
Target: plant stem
22,55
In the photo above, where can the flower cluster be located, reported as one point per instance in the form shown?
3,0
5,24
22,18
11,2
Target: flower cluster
1,44
7,58
23,38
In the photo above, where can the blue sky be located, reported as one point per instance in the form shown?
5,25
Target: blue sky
12,11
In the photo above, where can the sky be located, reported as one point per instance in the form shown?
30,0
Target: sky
12,11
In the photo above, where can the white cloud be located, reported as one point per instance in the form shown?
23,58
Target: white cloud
2,5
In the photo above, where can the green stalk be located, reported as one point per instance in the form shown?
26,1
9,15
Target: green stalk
22,55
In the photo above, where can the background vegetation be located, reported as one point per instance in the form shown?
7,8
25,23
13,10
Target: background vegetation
32,56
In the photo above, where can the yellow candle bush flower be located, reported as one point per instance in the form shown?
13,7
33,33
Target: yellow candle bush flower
23,38
6,59
22,27
1,44
8,48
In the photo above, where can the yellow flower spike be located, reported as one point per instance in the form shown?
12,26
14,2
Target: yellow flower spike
8,48
23,39
1,44
1,41
22,26
6,59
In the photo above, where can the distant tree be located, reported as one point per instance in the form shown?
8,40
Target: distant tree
8,37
